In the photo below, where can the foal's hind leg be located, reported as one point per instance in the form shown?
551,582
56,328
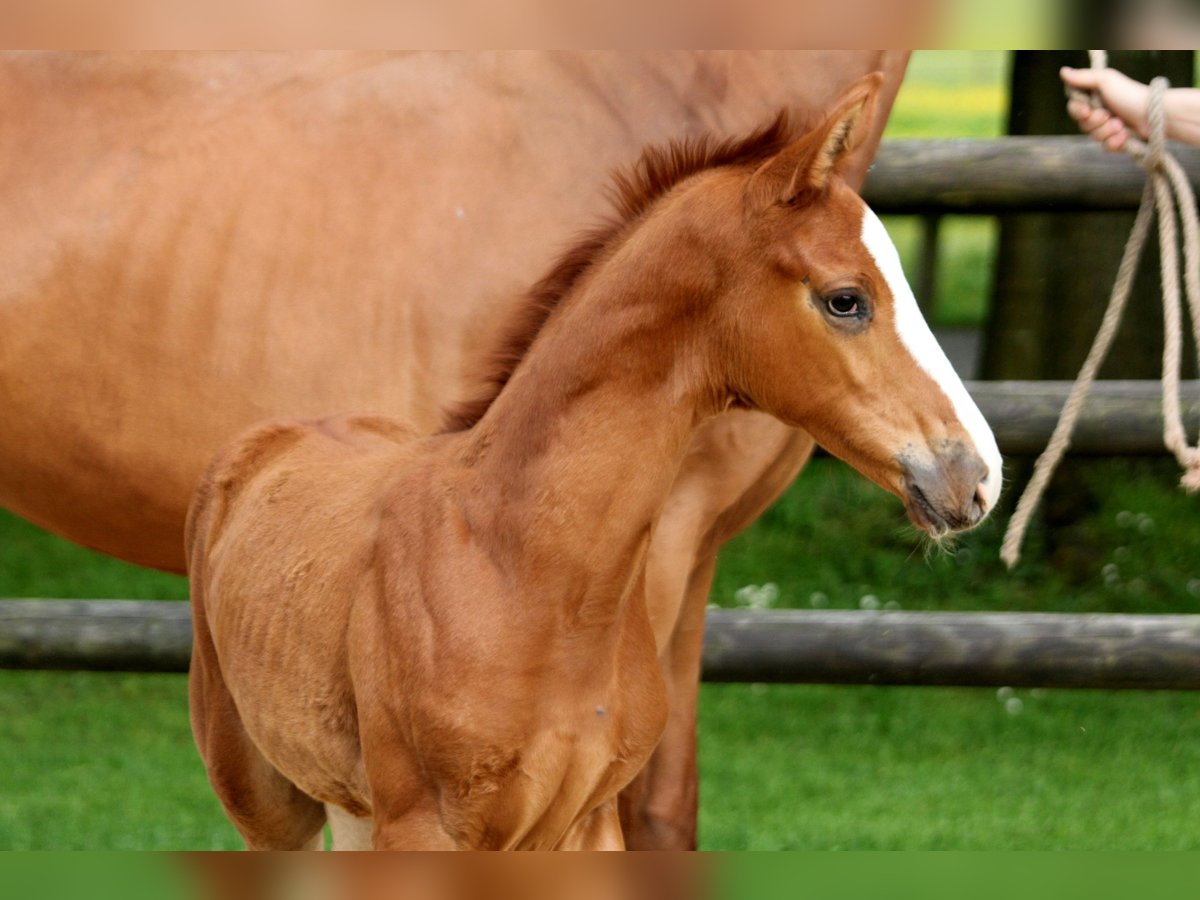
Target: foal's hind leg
269,810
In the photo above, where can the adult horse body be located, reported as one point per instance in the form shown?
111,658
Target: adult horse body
444,639
191,244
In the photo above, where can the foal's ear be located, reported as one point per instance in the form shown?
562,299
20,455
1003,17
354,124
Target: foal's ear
807,165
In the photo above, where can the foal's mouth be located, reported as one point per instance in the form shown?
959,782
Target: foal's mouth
923,514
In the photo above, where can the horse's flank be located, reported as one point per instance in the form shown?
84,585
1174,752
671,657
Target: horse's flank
194,242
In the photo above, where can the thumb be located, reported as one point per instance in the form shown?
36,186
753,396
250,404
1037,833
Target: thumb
1083,79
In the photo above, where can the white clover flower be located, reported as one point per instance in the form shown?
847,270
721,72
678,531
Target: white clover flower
754,597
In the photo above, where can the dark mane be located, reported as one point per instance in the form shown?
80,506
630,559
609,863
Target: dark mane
634,190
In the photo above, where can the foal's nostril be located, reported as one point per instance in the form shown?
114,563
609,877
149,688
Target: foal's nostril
977,510
949,492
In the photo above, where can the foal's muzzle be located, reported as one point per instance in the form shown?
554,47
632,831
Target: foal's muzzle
945,493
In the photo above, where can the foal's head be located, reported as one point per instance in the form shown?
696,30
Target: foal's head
822,330
778,270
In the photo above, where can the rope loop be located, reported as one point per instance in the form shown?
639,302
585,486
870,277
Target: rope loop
1169,196
1153,156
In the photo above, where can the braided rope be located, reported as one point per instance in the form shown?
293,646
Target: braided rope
1168,194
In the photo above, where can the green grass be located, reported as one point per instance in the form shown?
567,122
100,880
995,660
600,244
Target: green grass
834,539
951,93
789,767
102,761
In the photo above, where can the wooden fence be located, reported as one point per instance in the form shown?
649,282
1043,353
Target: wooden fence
1016,649
827,647
1010,174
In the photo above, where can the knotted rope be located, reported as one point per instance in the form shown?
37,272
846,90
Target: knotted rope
1167,190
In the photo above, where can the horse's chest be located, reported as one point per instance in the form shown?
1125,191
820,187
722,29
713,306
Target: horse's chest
527,778
531,796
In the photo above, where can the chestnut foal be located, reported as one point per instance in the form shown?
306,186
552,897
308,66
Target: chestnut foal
440,641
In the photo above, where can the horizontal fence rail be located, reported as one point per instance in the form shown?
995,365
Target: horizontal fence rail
796,646
1118,418
119,635
1009,174
1065,650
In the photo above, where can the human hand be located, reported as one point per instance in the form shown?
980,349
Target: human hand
1126,101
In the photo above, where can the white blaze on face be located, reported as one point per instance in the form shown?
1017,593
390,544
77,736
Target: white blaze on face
915,335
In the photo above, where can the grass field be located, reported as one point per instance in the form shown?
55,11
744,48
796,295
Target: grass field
105,761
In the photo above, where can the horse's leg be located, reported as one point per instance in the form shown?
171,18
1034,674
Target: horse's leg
349,832
598,830
659,807
419,829
269,811
739,464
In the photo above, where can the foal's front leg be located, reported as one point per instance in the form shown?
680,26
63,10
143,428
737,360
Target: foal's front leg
412,833
598,830
659,807
740,463
409,825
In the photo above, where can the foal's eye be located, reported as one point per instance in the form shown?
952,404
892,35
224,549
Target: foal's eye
844,304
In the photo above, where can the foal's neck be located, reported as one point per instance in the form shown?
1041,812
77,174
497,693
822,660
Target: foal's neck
578,453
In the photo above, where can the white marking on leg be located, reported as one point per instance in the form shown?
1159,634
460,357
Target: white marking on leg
349,832
919,340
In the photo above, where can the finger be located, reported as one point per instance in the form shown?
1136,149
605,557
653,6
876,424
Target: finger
1095,120
1078,110
1113,135
1109,129
1084,79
